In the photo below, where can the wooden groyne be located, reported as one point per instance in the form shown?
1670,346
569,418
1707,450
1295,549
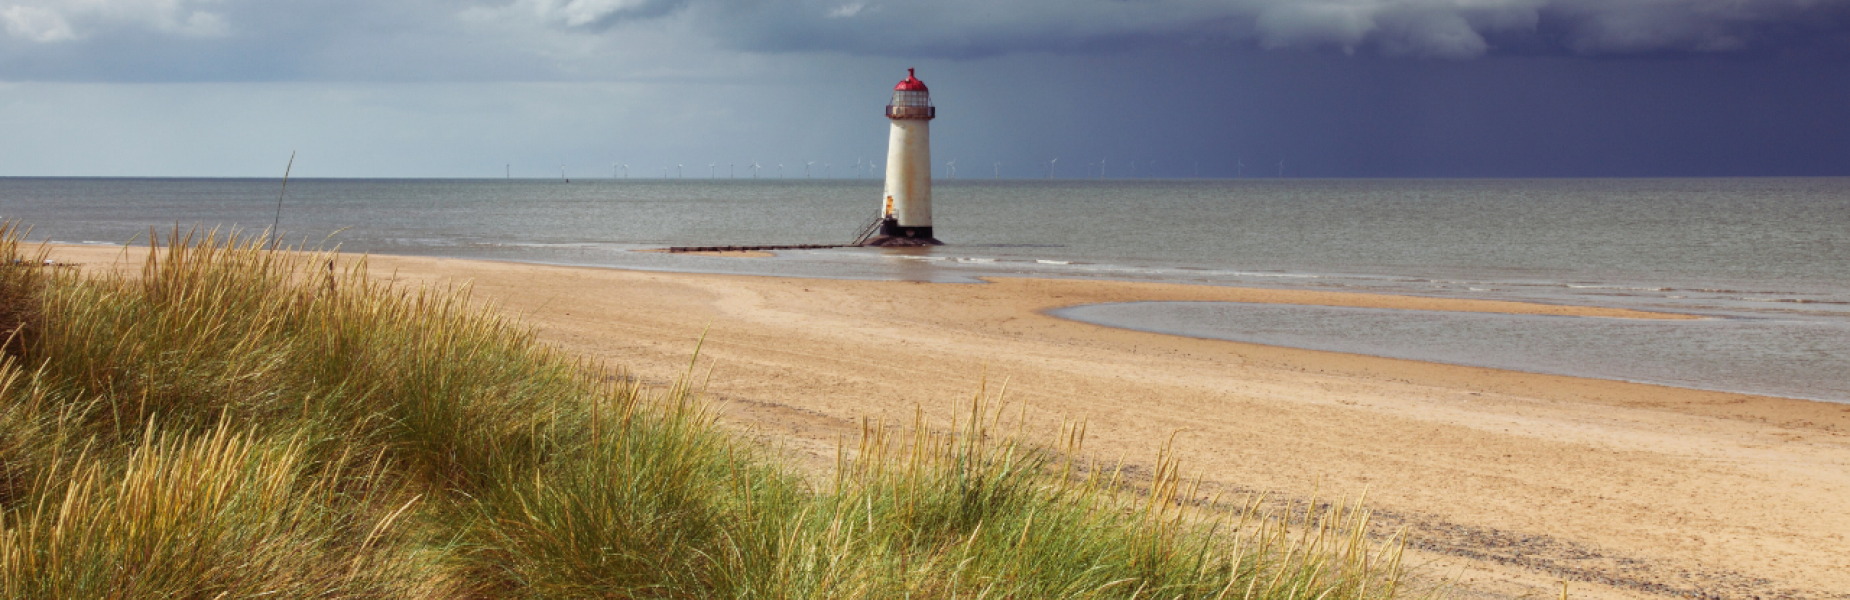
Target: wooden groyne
679,249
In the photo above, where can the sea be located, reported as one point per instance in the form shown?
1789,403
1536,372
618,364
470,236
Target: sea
1766,261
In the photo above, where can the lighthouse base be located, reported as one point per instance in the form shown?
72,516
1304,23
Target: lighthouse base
893,234
893,242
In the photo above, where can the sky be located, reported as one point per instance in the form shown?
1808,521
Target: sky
1122,88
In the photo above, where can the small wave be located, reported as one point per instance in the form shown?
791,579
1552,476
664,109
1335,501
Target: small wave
1796,301
1618,287
976,260
1284,275
1053,262
1731,291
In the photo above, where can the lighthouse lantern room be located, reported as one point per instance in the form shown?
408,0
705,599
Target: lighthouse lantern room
906,206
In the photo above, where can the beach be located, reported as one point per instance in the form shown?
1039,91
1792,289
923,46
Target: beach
1508,482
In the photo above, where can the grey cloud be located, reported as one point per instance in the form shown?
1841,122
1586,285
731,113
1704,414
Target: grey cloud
228,40
53,21
574,14
37,23
1604,27
1448,29
1315,24
340,40
1420,28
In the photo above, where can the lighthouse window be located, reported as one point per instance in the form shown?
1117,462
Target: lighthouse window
908,98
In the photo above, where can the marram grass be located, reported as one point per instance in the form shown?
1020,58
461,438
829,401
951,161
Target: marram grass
235,422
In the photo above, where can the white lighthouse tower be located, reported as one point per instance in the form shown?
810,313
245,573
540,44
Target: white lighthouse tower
906,205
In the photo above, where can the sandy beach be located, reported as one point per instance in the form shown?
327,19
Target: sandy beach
1508,482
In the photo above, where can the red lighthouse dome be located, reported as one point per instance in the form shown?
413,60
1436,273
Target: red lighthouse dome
910,84
911,100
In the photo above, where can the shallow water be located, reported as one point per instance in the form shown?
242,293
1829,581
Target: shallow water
1777,250
1766,356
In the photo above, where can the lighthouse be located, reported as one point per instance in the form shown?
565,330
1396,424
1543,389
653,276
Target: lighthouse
906,204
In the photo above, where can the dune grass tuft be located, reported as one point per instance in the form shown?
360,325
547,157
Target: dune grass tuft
232,421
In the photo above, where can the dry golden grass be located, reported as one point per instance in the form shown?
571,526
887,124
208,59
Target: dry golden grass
233,421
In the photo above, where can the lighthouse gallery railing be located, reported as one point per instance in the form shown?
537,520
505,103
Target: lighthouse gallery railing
911,112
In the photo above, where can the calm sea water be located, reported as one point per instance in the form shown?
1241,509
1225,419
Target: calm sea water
1768,258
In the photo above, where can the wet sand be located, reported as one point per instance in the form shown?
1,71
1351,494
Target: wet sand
1509,482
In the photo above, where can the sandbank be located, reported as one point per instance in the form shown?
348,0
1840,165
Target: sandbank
1507,481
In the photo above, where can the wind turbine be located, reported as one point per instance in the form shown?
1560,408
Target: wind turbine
857,166
664,172
1101,168
1242,167
713,171
953,166
998,174
1281,166
729,171
613,170
825,171
510,171
562,173
1050,165
806,168
755,167
677,172
780,170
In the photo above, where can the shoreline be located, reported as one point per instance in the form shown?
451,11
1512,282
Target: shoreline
1460,360
1653,490
1260,295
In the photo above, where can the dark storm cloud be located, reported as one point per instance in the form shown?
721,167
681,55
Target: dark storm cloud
115,40
1599,27
1445,29
1340,88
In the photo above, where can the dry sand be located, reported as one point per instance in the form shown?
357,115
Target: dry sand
1509,482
